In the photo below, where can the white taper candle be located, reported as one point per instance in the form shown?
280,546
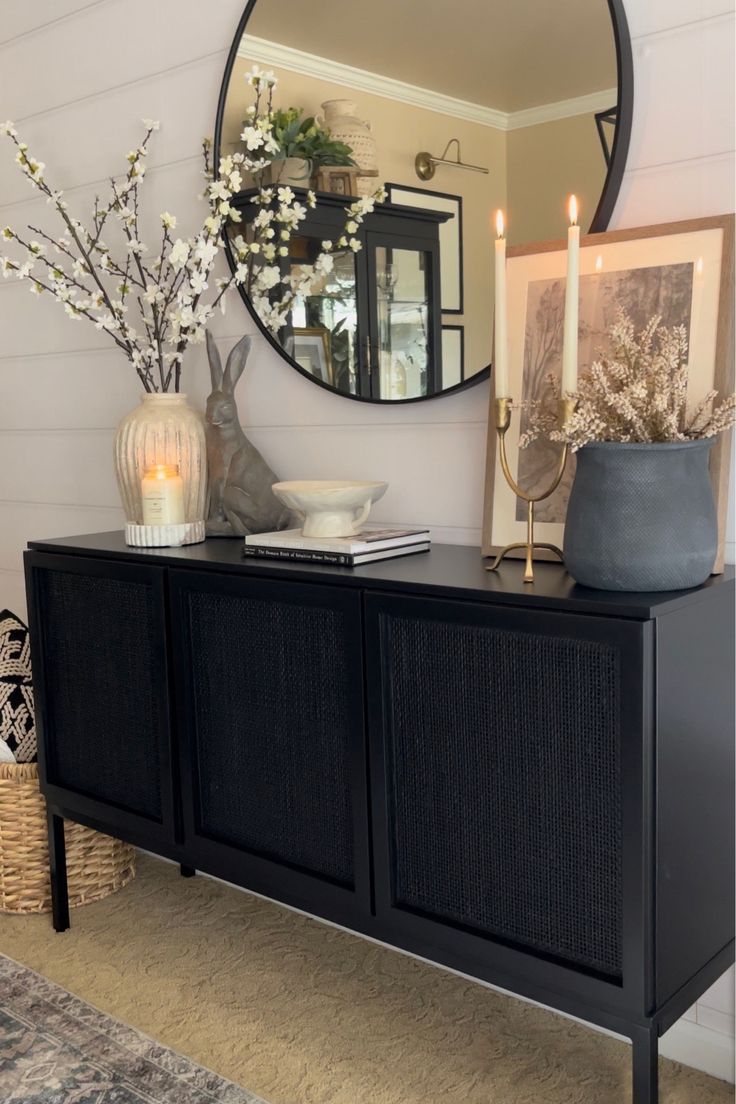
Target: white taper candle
500,356
572,298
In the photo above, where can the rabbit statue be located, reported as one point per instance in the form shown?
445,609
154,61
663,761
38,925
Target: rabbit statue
240,497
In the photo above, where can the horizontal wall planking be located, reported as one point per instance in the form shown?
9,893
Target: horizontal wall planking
174,187
721,995
13,593
111,45
73,468
649,16
41,325
183,100
21,17
92,389
435,472
693,189
679,119
697,1046
721,1022
21,522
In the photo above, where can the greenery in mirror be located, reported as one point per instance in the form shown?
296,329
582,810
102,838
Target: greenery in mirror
262,260
297,136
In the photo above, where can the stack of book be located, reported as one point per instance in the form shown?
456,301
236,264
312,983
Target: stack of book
364,547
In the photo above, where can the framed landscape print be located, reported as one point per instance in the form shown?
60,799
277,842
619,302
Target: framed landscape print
682,272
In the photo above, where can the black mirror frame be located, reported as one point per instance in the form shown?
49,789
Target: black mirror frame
599,223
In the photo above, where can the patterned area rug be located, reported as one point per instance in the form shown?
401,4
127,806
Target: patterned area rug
56,1049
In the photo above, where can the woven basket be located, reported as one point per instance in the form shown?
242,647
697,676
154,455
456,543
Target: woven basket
97,865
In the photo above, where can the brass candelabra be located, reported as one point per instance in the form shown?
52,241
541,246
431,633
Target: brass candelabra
566,408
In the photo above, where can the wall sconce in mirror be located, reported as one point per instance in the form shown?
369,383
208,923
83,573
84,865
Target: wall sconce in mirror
603,119
425,163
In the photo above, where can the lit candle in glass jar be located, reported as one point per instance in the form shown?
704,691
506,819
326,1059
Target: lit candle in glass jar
162,490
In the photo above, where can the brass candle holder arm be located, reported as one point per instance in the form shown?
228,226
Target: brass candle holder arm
566,408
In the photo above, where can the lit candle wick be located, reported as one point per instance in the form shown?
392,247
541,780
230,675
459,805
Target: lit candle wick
499,224
573,210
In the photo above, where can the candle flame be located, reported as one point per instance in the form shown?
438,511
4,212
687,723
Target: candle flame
598,263
499,224
699,266
573,210
162,471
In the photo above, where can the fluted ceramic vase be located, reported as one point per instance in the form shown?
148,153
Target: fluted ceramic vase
163,429
341,118
642,517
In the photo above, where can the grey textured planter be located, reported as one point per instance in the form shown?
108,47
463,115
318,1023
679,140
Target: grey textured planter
641,516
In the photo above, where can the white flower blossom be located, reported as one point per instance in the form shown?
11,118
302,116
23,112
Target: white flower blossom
324,264
268,277
179,254
252,138
205,252
168,221
219,190
198,282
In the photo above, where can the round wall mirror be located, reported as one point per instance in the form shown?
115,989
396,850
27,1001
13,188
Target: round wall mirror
447,111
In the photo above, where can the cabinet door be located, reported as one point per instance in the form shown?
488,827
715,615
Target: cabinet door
404,303
271,698
100,683
509,787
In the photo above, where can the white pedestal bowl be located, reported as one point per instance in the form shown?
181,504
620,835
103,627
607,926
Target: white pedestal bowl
331,507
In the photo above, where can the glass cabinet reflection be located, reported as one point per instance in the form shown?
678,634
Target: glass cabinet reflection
404,313
370,326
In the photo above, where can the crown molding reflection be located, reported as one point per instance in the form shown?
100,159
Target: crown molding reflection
264,52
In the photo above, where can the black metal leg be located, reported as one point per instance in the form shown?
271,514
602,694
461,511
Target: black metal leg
187,871
645,1059
57,864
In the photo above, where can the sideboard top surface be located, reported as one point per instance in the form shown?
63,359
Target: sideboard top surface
446,571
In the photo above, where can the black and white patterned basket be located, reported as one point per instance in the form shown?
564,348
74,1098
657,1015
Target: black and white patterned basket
17,717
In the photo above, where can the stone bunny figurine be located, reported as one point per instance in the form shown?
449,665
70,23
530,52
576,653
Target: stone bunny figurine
240,497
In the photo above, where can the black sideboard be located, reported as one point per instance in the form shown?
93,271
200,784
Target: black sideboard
530,784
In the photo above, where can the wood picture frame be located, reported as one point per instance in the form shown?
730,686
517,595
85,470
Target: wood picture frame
706,246
310,348
337,179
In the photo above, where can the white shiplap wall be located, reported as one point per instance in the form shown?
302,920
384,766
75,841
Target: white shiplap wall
77,77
